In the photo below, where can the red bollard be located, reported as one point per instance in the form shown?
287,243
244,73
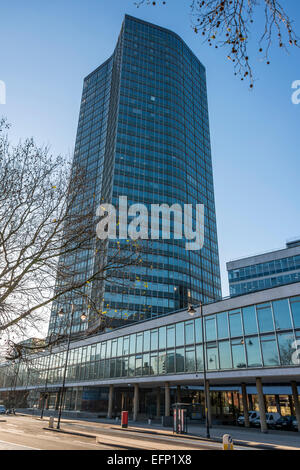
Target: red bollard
124,419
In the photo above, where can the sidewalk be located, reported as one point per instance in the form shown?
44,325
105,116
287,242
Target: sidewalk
273,439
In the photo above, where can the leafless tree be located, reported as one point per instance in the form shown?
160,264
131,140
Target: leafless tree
43,226
230,23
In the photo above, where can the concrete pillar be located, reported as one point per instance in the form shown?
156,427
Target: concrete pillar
178,394
158,401
167,399
296,402
57,400
110,401
245,405
262,407
208,403
136,402
277,403
76,399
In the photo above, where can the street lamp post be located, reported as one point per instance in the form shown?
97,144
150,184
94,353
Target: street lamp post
65,367
83,318
192,311
48,368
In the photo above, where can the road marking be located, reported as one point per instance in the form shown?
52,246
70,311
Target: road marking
4,445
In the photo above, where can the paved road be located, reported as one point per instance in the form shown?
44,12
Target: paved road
27,433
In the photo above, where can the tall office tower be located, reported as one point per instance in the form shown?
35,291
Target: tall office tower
143,133
271,269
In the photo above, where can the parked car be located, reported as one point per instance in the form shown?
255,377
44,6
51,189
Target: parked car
271,419
285,423
252,416
295,424
2,410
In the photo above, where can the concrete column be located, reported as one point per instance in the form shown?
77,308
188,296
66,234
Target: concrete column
277,402
76,399
178,394
135,402
296,402
261,404
167,399
245,405
158,401
110,401
57,400
208,404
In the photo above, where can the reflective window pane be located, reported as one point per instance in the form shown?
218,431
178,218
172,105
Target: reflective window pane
199,357
210,329
264,316
162,337
179,360
146,341
190,365
235,323
238,354
222,324
189,332
253,352
198,330
154,340
282,314
180,334
212,357
225,355
295,307
170,336
249,318
286,349
269,351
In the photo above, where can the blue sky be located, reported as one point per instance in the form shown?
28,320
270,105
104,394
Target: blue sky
48,48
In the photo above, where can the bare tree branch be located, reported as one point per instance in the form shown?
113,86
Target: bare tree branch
228,24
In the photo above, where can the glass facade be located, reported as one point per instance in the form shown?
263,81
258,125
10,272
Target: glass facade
144,133
256,336
264,275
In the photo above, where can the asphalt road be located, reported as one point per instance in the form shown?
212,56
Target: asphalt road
27,433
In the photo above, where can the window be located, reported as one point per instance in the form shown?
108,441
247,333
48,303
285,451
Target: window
180,334
282,314
212,356
179,360
199,357
235,323
285,344
154,340
210,329
253,352
162,337
170,336
295,307
269,350
238,353
265,320
189,332
198,330
190,364
222,323
225,355
249,318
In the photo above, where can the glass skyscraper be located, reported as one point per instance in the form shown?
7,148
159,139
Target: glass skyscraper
143,133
